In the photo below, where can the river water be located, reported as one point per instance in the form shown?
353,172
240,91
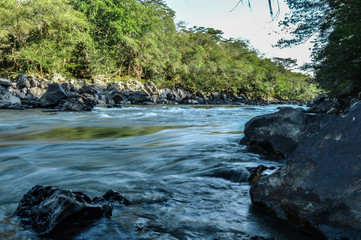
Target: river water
180,166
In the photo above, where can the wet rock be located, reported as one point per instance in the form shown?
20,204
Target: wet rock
257,173
53,95
5,83
319,188
22,82
278,134
51,210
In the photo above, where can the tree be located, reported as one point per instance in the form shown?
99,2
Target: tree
335,25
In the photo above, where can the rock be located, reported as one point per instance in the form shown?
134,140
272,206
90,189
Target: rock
76,104
257,173
278,134
3,90
33,83
120,86
22,82
333,110
134,85
51,210
138,97
5,83
150,88
316,100
36,92
10,101
319,188
30,102
53,95
181,94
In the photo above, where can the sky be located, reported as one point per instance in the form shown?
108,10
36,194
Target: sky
254,24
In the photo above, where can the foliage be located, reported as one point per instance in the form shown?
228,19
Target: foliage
336,26
117,38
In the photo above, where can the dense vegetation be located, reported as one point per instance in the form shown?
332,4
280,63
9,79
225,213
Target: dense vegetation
115,39
336,27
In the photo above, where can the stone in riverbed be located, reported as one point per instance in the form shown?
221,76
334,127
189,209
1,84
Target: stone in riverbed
278,134
50,210
53,95
319,190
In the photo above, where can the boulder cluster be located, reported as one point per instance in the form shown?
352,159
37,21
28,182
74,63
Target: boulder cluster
319,188
29,92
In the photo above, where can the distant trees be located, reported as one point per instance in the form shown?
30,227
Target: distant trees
119,38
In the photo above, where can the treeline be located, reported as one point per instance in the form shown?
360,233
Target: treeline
116,39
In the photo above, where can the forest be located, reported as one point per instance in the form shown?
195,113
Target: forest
114,40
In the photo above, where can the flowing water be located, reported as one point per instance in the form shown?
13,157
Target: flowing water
181,167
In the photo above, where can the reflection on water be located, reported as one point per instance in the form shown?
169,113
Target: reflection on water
180,166
84,133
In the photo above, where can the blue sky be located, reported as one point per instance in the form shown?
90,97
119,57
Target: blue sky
253,24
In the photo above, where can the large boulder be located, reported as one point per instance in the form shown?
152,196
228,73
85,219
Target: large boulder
319,190
51,210
278,134
53,95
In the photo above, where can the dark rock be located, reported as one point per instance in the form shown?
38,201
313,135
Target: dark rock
280,133
53,95
316,100
50,210
22,82
117,97
111,196
76,104
5,83
33,83
30,102
138,97
319,188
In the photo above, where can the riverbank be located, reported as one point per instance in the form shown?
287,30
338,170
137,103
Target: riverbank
58,94
318,190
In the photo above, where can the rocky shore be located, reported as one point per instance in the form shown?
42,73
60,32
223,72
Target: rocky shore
318,190
29,92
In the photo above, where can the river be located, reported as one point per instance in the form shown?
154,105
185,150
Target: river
181,167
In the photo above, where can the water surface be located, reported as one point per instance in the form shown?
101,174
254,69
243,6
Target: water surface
180,166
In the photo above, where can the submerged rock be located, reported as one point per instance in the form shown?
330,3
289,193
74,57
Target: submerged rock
319,188
280,133
51,210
